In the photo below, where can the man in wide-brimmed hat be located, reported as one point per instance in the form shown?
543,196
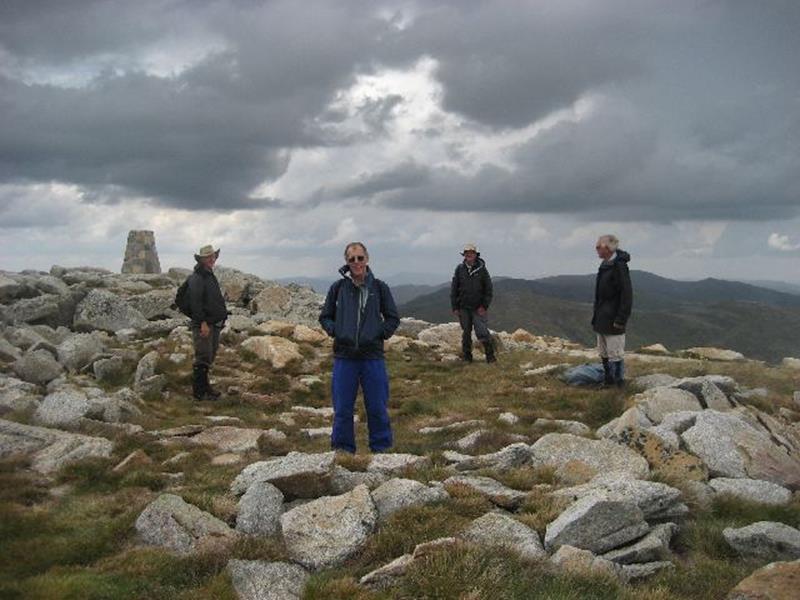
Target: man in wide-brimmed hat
470,296
208,313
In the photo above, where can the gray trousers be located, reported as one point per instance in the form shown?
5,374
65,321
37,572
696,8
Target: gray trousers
469,319
205,348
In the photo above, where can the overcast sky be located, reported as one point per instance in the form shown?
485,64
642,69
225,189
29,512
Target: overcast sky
281,130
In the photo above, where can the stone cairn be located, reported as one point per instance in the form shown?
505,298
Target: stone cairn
140,253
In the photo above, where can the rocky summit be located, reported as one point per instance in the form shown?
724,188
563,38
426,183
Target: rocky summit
504,482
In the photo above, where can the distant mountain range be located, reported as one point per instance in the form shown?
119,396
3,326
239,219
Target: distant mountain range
757,321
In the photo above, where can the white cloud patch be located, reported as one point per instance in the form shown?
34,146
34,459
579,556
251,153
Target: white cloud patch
782,243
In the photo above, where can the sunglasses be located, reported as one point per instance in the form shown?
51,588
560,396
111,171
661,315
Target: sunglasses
359,258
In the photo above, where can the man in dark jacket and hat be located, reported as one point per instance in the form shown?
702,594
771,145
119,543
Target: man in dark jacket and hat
208,312
470,296
613,301
359,314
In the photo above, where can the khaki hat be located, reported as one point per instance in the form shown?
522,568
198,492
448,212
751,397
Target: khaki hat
469,248
205,252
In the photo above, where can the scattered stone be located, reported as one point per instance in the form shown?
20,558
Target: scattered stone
470,440
776,581
297,475
458,426
497,493
515,455
387,575
235,439
581,562
499,529
652,547
8,352
154,304
645,382
709,353
137,458
765,540
632,419
397,464
733,447
37,367
709,390
326,412
316,432
657,501
791,362
226,459
261,580
343,481
16,394
508,418
275,350
279,328
260,509
397,494
658,402
559,449
145,369
753,490
64,408
596,523
327,531
101,309
49,449
654,349
303,333
573,427
108,369
172,523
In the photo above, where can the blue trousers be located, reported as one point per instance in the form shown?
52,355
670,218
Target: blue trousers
371,375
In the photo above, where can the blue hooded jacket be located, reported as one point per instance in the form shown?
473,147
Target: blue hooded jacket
358,332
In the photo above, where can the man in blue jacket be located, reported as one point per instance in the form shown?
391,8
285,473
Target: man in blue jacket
359,313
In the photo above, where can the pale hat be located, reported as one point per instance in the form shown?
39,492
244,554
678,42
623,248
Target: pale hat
205,252
469,248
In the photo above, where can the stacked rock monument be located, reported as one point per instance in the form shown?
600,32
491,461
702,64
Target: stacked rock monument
141,255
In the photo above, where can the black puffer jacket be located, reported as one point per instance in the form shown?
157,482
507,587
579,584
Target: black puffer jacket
358,331
205,297
471,287
613,295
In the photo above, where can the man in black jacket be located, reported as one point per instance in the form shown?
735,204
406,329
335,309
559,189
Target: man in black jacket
613,301
470,296
359,314
209,313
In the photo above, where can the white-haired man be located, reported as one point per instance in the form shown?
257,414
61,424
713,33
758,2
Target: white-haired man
613,301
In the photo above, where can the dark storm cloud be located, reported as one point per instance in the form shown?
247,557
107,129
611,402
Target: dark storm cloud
697,114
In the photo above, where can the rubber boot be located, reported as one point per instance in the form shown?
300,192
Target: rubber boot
199,377
619,373
608,374
488,348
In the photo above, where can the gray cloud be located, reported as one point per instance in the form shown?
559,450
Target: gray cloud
700,118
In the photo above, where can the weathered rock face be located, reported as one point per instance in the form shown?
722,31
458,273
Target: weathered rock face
752,490
766,540
49,449
734,447
260,509
16,394
155,304
325,532
656,500
103,310
397,494
297,475
582,562
652,547
560,449
658,402
78,350
598,524
235,439
293,302
776,581
396,463
38,367
275,350
493,490
515,455
172,523
710,353
140,253
447,334
498,529
261,580
67,406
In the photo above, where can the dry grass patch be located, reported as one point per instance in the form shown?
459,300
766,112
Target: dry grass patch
541,508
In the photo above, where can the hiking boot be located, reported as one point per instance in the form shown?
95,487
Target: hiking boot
467,358
489,350
608,373
200,385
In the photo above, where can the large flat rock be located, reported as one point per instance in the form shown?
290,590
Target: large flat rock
262,580
297,475
501,529
327,531
49,449
601,456
397,494
765,540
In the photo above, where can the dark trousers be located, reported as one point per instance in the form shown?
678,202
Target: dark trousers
371,375
205,348
469,319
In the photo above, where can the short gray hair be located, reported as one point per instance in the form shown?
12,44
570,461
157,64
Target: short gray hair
609,240
353,245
